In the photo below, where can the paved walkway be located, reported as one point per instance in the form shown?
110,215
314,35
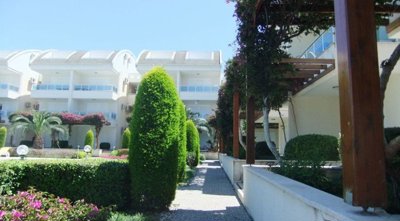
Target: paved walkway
209,197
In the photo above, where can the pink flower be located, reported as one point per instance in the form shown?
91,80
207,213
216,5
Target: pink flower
61,200
36,204
17,215
2,213
23,194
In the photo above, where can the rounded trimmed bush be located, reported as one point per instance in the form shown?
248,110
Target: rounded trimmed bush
312,147
3,136
89,138
193,142
153,151
182,143
126,138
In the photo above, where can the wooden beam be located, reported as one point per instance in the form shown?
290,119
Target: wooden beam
250,137
301,74
319,76
393,25
310,66
236,124
296,61
361,115
323,9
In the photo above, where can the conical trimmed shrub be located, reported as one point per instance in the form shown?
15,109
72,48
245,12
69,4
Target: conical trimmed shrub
182,143
126,138
3,136
89,138
153,152
193,143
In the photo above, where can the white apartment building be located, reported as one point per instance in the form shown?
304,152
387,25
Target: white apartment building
197,75
84,82
314,109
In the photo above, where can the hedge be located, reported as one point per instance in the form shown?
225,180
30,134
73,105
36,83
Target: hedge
126,138
312,147
3,136
182,153
153,152
193,142
89,139
102,182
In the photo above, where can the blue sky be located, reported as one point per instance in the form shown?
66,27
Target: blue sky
118,24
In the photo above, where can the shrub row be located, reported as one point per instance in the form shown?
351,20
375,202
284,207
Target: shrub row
101,182
3,136
192,144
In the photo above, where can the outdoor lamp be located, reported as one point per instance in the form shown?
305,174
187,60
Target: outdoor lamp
87,149
22,151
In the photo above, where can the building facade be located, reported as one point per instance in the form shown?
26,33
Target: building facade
84,82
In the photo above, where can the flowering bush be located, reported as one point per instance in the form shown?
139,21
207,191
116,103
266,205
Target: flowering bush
34,205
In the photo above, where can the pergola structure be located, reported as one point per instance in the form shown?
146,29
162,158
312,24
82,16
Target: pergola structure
364,179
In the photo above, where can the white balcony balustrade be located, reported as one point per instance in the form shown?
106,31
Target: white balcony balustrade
84,91
199,92
50,91
9,91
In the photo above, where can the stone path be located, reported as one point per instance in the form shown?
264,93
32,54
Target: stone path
210,196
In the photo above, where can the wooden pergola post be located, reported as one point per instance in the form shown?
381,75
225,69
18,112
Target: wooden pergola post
360,104
250,139
236,124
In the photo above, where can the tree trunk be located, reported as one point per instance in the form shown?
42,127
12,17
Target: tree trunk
392,148
267,134
38,142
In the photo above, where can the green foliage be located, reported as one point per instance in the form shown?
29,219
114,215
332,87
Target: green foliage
305,171
33,205
224,115
391,133
126,138
79,155
102,182
89,138
193,141
3,136
312,147
39,123
182,143
153,152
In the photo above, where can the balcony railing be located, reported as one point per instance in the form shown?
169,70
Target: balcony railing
5,86
50,87
320,45
85,87
199,88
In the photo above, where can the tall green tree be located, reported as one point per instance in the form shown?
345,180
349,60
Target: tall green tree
39,124
126,138
182,153
193,141
153,151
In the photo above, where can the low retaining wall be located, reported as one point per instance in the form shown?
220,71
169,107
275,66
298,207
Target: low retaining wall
269,196
234,167
210,155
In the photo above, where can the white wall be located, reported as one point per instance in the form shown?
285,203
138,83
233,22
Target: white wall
268,196
313,114
392,102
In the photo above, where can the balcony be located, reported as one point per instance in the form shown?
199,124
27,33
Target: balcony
82,91
50,91
8,91
198,92
320,45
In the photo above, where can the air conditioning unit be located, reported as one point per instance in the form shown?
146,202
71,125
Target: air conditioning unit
28,104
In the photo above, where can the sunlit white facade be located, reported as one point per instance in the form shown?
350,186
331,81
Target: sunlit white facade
84,82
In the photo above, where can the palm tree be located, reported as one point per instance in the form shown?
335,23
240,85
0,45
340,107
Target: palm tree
201,124
40,123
